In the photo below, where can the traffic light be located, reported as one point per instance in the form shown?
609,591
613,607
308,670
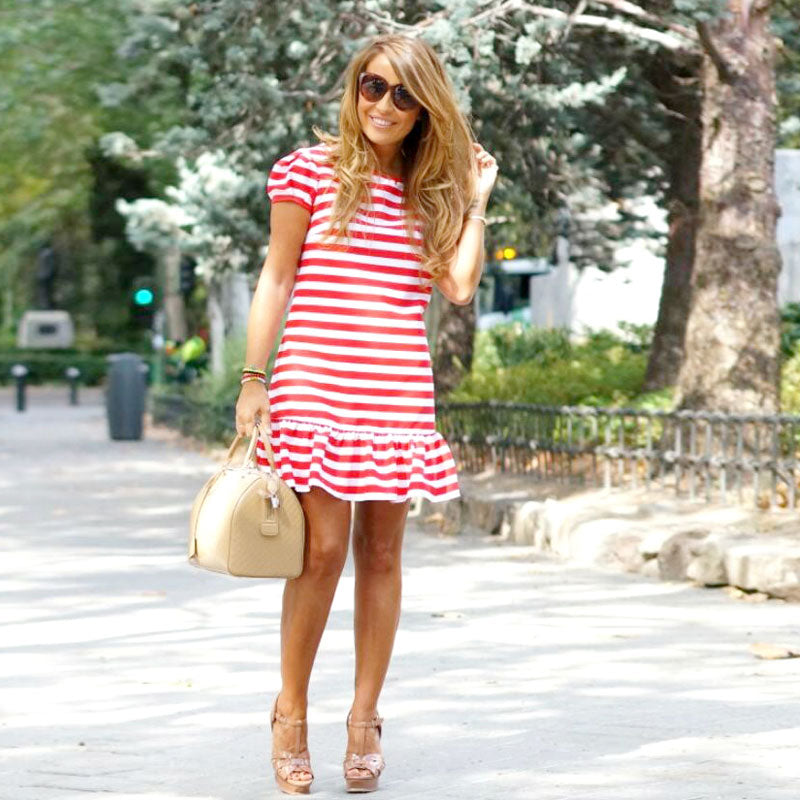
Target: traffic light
187,277
505,254
143,298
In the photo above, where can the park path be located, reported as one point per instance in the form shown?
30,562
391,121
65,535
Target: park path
127,674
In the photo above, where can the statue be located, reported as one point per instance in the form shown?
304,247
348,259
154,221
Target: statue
46,270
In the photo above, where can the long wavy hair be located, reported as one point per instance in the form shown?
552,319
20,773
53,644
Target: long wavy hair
440,172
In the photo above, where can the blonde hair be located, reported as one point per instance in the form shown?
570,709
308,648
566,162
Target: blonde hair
439,165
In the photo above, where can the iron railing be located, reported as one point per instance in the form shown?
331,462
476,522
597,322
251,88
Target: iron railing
706,456
700,455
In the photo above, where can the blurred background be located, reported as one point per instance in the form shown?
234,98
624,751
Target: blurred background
635,252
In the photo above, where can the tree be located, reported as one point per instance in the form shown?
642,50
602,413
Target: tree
235,77
53,55
718,317
537,78
677,87
733,330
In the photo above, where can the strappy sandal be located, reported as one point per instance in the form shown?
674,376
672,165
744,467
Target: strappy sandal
373,762
287,762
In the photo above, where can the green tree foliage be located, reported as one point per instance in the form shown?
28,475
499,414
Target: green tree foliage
53,56
786,25
558,91
258,75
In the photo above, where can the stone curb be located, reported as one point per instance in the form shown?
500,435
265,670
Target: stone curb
634,531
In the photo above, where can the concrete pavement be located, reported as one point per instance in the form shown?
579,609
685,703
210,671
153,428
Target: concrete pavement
128,674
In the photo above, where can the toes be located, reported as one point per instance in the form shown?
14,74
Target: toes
358,772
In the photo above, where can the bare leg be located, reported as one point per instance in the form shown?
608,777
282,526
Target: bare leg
377,547
307,601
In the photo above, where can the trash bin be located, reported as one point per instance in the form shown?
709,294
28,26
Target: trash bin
125,393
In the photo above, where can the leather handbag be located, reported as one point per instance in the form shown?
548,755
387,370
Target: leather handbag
247,522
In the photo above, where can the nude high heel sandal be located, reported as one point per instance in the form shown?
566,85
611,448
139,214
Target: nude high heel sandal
287,762
369,761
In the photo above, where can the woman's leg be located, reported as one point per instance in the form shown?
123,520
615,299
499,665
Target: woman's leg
307,601
377,545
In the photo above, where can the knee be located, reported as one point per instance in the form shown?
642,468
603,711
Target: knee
377,554
325,556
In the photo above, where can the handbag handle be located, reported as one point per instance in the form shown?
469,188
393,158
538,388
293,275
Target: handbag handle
250,454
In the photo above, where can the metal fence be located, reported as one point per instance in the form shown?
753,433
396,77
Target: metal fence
711,456
706,456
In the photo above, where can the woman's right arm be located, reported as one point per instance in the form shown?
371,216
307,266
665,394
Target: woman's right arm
288,226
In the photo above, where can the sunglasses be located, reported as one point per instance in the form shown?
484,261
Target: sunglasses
373,87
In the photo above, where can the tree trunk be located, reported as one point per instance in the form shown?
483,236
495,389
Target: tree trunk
731,358
236,300
173,299
453,345
216,324
677,90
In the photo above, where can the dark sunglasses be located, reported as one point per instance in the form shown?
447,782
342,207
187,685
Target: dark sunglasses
373,87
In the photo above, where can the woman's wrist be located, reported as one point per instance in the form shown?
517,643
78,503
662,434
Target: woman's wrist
254,382
478,206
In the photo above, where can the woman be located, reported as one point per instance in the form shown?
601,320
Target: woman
362,224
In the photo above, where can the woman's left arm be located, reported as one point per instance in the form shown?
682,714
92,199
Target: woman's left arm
460,282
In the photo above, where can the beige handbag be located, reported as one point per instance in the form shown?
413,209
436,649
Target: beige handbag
247,522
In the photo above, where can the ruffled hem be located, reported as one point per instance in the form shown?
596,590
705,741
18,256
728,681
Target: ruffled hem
362,465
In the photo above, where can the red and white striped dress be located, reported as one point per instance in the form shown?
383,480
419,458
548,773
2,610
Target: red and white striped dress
351,392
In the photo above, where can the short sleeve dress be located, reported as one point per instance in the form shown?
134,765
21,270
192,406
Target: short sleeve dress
351,392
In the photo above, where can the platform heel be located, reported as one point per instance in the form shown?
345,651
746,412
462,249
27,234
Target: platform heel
373,762
287,762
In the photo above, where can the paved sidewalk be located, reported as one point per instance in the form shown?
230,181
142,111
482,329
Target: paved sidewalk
128,674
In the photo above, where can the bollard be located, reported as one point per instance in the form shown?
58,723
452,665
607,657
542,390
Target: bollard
72,374
19,373
125,393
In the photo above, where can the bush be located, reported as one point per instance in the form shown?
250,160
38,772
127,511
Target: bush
522,364
790,382
208,410
516,343
49,365
790,329
221,390
209,400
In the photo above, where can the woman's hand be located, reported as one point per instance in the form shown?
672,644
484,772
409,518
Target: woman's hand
487,172
251,407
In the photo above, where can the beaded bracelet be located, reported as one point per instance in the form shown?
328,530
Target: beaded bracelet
254,370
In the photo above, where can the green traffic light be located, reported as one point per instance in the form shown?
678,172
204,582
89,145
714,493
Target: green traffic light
143,297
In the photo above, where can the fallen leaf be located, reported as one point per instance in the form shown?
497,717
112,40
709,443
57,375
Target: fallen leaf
772,651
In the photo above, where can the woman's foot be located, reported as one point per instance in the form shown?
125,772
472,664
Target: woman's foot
363,761
290,756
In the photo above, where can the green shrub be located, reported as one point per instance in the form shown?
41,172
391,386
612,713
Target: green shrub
637,337
790,329
221,390
659,400
584,379
790,382
518,363
45,366
516,343
208,411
